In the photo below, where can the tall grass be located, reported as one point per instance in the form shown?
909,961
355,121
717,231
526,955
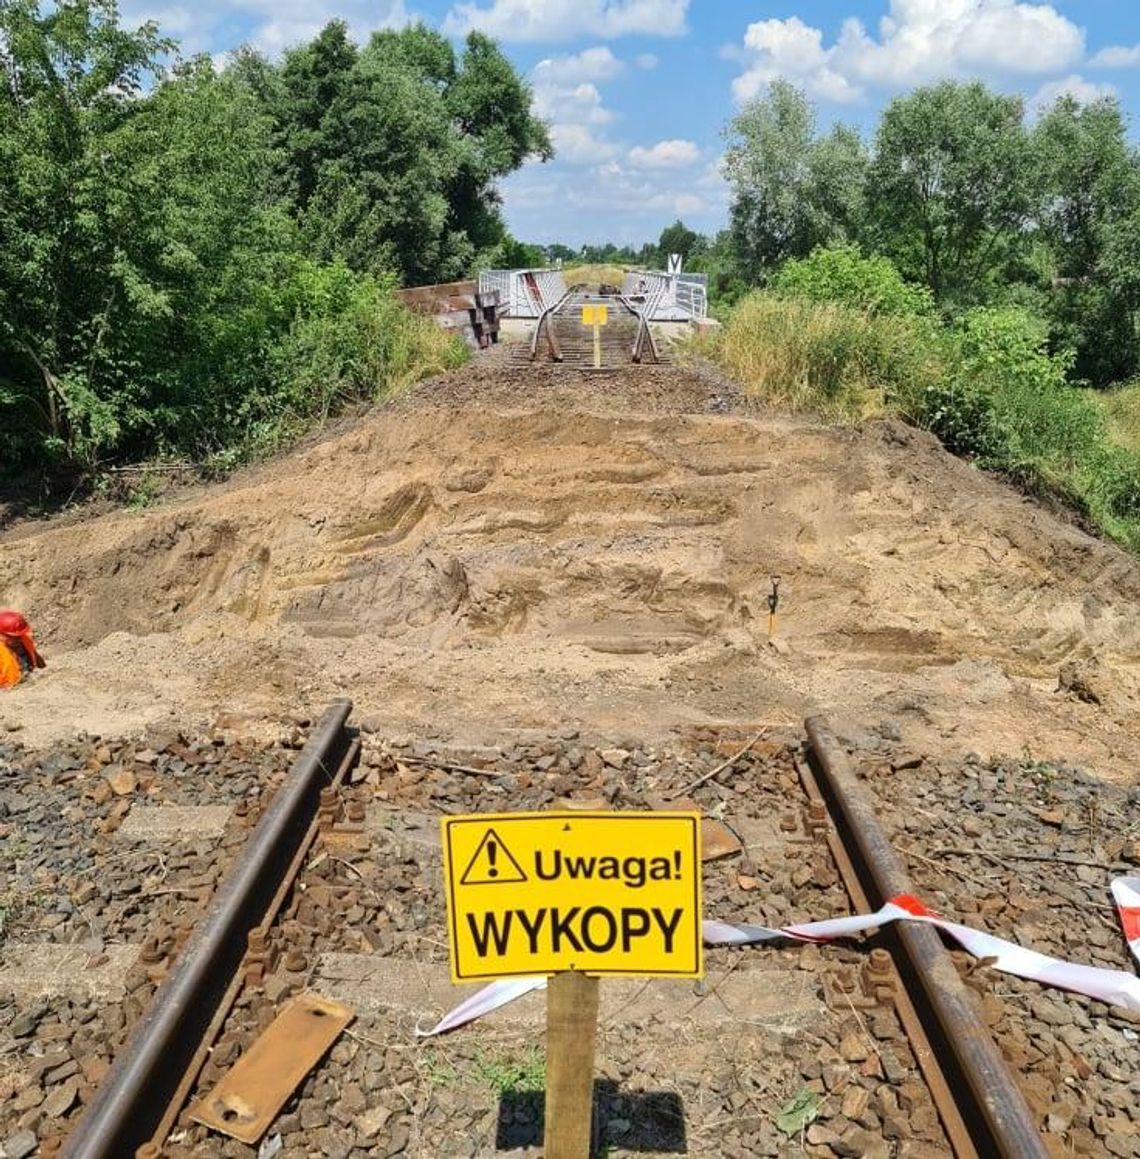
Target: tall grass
1121,410
828,357
594,275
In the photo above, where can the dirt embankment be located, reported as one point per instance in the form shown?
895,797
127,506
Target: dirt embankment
525,549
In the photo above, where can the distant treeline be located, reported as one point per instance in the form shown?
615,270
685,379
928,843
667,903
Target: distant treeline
195,260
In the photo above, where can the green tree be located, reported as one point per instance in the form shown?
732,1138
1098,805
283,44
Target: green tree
791,189
310,102
70,81
679,239
1090,191
951,190
392,153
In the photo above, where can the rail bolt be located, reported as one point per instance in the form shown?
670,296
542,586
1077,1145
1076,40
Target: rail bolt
878,978
328,809
295,962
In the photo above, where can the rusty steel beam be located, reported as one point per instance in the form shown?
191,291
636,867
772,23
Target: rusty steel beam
993,1107
133,1098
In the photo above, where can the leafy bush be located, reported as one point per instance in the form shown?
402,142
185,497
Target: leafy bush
842,274
342,337
351,339
963,417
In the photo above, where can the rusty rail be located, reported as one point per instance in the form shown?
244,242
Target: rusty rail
546,319
644,333
132,1102
990,1106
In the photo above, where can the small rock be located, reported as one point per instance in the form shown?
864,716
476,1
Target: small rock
615,758
61,1100
909,761
397,1140
122,782
30,1096
63,1071
855,1102
853,1048
20,1145
24,1024
370,1123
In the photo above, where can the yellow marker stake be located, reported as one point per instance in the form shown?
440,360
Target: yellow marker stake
596,316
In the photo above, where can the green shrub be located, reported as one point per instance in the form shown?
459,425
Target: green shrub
350,339
963,417
841,274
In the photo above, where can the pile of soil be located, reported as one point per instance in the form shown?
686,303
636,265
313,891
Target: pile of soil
523,547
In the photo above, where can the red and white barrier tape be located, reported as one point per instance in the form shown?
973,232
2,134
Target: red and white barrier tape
1115,987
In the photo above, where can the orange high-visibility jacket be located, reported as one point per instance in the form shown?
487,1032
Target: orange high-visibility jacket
18,656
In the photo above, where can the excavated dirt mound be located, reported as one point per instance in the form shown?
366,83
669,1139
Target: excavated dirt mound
537,548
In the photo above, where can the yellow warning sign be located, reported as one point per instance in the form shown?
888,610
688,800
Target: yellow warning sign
595,315
602,893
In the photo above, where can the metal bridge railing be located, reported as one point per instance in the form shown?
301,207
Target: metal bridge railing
668,297
524,293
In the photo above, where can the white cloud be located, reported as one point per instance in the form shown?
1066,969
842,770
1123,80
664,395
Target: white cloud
553,20
918,41
1116,56
565,95
592,64
790,48
645,61
1073,85
579,145
673,154
580,105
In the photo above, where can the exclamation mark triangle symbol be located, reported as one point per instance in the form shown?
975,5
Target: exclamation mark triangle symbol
492,863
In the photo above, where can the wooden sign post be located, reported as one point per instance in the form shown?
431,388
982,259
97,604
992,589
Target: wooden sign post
571,1029
544,893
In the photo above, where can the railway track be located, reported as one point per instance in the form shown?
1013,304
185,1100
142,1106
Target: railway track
560,335
337,891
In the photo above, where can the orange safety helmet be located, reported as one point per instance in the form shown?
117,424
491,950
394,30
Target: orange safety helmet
14,624
15,627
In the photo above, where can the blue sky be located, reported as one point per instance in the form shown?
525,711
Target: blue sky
638,91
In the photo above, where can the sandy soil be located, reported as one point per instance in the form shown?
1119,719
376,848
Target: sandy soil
542,549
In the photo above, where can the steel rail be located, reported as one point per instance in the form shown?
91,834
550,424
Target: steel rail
643,330
544,317
993,1108
132,1100
958,1135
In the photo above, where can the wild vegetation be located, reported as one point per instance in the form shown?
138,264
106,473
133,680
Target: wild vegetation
196,262
970,268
